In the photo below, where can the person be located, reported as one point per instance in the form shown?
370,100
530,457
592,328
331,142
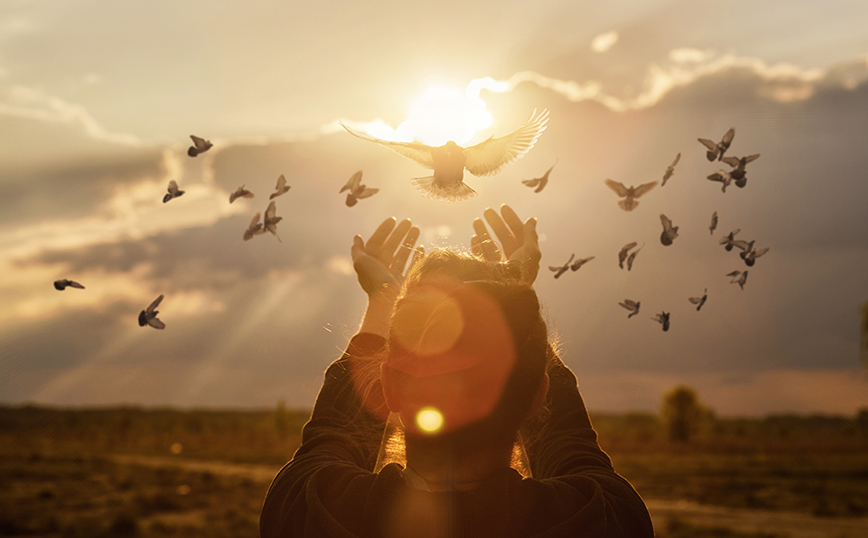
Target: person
495,440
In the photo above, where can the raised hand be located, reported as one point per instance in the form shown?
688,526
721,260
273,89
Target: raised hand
518,241
380,262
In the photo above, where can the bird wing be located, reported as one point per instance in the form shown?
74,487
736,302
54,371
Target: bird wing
353,183
667,224
677,158
531,182
756,254
708,143
489,156
734,274
281,183
716,177
619,188
743,245
75,284
155,323
254,222
727,138
200,143
732,161
628,246
414,151
643,189
365,193
628,304
271,211
155,304
694,300
750,158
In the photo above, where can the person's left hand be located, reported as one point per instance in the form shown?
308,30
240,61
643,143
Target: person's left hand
380,262
519,241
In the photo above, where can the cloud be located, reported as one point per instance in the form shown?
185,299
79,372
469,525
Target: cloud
604,42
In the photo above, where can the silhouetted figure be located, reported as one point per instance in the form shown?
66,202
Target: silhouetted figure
449,160
357,189
61,284
200,145
630,195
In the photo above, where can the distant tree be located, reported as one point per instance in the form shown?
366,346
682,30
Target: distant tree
682,413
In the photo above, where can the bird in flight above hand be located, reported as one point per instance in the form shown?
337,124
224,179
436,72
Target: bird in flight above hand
539,182
449,160
358,190
629,195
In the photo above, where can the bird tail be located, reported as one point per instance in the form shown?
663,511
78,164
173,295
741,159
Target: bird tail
429,189
628,204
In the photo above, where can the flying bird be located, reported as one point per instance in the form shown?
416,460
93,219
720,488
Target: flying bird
716,150
174,192
722,176
561,269
200,145
255,228
280,188
357,189
240,192
449,160
271,219
632,306
623,254
738,278
670,170
61,284
713,222
699,301
739,163
539,182
750,256
630,195
580,262
633,257
669,232
149,315
663,319
729,240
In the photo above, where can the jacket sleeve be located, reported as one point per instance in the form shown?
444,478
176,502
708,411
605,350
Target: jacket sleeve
561,445
344,430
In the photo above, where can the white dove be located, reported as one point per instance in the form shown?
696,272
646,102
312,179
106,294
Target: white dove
357,189
630,195
716,150
632,306
149,315
200,145
670,170
669,232
240,192
449,160
174,192
280,188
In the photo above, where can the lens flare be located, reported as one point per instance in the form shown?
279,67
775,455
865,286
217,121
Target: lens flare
429,419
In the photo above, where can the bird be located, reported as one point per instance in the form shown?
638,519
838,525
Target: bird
255,228
200,145
240,192
669,232
580,262
630,195
663,319
670,170
174,192
729,240
739,172
623,254
561,269
539,182
699,301
61,284
722,176
632,306
149,315
738,278
271,219
751,255
716,150
745,246
357,189
450,160
633,257
713,222
280,188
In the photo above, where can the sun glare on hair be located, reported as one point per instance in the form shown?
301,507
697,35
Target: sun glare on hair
429,420
442,114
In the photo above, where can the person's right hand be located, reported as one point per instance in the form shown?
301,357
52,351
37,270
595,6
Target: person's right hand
379,262
518,241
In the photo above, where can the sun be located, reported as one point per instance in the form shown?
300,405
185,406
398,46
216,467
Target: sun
441,114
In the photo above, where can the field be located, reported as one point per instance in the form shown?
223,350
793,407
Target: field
163,472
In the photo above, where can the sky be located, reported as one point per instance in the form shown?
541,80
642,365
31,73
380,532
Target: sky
98,99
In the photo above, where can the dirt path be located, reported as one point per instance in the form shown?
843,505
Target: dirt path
793,524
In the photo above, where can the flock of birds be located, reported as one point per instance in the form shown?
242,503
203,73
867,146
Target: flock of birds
448,163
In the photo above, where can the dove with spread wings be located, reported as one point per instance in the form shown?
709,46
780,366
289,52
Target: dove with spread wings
630,195
449,160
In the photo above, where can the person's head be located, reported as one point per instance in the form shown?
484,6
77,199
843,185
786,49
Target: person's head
467,351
